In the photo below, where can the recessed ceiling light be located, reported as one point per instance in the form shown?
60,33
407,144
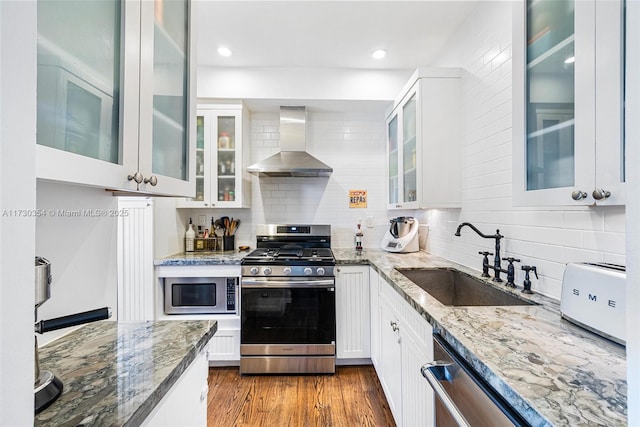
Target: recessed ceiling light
224,51
570,60
379,53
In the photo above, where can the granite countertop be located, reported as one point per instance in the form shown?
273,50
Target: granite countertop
202,258
115,373
551,371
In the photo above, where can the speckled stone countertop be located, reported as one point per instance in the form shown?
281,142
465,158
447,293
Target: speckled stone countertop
202,258
550,371
115,373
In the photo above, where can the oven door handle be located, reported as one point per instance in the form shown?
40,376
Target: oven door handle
438,371
261,284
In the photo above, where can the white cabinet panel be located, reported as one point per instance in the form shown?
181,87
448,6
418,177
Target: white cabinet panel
352,312
390,361
185,404
374,280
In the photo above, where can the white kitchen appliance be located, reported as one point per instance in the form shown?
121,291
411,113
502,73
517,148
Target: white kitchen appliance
593,297
402,235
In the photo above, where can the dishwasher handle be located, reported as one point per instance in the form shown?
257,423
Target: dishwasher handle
437,371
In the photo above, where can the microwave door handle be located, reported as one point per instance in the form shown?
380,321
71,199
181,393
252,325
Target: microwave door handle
260,284
437,369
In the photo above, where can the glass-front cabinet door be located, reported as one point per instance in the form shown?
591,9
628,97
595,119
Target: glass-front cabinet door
81,60
392,166
568,103
116,94
402,166
409,138
226,159
220,155
167,124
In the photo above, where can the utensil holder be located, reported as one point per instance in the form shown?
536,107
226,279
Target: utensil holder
228,243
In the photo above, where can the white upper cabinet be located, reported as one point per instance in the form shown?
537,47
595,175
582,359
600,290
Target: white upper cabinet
221,158
423,142
116,94
568,103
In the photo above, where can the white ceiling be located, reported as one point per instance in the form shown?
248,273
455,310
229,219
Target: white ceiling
335,34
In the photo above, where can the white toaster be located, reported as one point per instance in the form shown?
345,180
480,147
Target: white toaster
593,296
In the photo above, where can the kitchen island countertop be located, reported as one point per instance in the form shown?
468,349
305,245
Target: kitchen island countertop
116,373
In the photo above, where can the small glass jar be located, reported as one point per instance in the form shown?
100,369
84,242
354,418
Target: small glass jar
224,141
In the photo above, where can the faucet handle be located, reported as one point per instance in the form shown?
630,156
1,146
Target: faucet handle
527,280
485,263
511,260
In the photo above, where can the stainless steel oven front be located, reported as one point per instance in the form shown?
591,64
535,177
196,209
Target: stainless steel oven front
288,325
201,295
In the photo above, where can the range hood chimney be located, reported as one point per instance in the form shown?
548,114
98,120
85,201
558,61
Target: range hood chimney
292,160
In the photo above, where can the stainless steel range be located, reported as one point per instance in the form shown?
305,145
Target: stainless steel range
288,302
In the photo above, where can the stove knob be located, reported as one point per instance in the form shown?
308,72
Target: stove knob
320,271
286,271
267,271
254,270
308,271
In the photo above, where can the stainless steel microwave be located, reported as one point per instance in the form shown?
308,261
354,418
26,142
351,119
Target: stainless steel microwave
201,295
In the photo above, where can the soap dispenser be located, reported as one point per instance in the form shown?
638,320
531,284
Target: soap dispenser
189,237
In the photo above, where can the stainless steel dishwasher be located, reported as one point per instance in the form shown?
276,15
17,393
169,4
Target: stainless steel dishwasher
463,399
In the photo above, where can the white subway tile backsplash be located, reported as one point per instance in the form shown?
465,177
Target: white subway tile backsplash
547,238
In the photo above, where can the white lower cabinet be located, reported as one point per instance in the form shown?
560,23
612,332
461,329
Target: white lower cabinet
186,402
374,324
224,347
352,313
390,363
405,344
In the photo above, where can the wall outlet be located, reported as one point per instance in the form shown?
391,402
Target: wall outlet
369,222
202,220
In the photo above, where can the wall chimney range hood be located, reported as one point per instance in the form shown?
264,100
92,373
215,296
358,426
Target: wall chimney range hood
292,160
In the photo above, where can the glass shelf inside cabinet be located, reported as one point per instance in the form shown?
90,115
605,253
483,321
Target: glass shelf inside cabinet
550,151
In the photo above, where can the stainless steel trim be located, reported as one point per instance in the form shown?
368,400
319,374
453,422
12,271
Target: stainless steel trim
288,365
479,405
248,283
221,296
272,230
287,349
428,371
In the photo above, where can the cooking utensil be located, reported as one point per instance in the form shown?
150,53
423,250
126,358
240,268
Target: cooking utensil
224,220
233,226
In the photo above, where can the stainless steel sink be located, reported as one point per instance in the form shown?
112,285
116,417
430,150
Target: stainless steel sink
455,288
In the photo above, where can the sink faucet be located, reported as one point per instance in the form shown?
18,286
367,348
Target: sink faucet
497,267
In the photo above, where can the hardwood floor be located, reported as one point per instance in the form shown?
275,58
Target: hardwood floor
351,397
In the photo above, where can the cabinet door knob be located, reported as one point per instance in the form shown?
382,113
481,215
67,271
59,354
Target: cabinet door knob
153,180
600,194
137,177
578,195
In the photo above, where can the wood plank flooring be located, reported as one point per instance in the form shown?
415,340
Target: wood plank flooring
351,397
